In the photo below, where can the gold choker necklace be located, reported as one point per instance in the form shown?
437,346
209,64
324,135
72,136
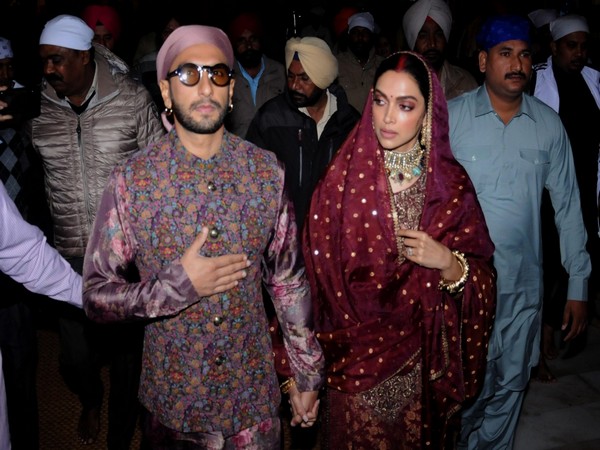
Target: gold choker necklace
404,166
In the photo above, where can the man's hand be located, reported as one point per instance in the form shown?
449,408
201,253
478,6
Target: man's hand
3,104
212,275
576,314
305,407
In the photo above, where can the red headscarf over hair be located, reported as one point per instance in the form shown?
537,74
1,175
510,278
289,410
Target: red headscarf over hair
105,14
373,315
243,22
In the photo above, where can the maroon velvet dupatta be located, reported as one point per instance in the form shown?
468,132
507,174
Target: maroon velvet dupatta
374,315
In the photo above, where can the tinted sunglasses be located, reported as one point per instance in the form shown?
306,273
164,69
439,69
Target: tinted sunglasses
190,74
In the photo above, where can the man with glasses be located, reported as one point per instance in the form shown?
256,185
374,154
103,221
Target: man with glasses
202,219
93,116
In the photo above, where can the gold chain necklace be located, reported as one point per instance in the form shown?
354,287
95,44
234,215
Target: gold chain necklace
404,165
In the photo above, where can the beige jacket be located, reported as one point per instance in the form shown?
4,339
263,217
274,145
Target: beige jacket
79,152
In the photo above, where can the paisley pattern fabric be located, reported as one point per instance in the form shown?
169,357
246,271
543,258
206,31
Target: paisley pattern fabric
207,362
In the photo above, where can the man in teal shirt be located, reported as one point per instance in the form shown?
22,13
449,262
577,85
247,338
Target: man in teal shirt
513,146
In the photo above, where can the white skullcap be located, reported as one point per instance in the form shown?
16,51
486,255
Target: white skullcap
541,17
415,17
68,32
364,19
316,58
5,49
568,24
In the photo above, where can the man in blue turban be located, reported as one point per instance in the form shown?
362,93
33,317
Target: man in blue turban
513,147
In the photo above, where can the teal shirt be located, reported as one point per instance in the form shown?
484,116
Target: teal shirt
510,165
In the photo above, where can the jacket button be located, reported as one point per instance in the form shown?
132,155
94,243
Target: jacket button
218,320
211,186
213,233
219,360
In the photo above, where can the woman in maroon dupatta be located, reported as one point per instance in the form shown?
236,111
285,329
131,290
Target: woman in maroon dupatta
399,259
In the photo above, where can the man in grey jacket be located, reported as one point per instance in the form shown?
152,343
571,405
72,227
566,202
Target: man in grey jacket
93,116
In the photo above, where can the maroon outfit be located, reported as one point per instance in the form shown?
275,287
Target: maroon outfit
381,319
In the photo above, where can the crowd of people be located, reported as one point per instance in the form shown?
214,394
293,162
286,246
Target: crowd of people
363,237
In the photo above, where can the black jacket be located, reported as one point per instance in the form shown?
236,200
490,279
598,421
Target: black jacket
278,126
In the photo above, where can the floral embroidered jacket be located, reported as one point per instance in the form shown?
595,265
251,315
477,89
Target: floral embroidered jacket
207,362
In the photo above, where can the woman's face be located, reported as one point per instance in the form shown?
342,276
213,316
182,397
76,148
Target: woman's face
398,110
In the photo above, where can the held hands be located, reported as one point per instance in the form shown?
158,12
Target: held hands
305,407
427,252
212,275
575,313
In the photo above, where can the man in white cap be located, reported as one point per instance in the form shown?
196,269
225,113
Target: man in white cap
358,63
569,86
93,117
204,219
427,25
541,38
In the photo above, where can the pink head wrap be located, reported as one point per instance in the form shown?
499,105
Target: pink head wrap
184,37
187,36
105,14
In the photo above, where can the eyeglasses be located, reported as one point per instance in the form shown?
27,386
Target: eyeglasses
190,74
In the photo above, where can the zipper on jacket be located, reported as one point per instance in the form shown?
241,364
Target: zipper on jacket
300,165
86,202
78,130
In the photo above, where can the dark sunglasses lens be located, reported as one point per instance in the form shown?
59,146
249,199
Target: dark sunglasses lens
220,75
189,75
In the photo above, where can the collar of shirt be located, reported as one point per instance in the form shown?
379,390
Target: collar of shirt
330,109
93,88
253,82
483,105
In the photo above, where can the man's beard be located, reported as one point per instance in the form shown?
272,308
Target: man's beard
361,49
302,101
250,58
434,58
203,126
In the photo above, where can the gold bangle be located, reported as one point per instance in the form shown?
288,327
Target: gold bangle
456,287
287,385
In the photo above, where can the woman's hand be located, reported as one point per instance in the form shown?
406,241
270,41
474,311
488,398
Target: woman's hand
305,407
422,249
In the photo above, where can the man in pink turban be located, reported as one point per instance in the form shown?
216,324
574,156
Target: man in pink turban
203,219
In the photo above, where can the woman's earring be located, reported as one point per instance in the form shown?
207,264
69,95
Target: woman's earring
168,111
230,108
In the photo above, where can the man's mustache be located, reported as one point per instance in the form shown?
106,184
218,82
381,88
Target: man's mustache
515,74
53,77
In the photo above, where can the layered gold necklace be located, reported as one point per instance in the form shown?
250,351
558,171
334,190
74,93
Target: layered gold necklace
404,166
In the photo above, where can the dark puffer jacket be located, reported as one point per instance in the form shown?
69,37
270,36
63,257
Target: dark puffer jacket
80,151
278,126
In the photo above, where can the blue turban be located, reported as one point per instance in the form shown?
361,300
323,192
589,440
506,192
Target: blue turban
503,28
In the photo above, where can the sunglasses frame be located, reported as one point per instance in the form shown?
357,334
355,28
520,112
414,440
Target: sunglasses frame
208,69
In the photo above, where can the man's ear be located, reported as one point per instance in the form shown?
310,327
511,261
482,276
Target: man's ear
553,48
165,92
231,87
86,56
483,55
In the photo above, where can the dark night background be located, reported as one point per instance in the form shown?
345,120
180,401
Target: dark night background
21,21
